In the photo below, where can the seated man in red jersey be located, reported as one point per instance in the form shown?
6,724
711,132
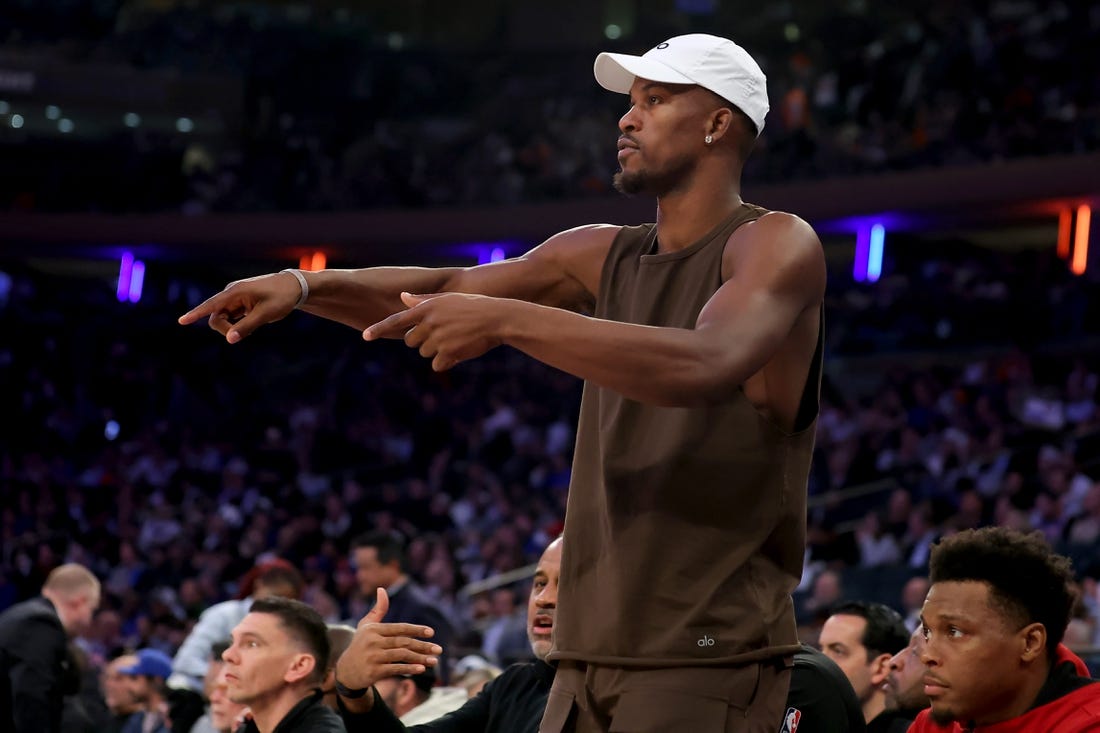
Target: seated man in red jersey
998,606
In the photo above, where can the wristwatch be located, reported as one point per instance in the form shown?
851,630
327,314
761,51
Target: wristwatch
349,693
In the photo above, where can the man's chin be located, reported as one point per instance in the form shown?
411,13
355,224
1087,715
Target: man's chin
541,648
943,716
630,184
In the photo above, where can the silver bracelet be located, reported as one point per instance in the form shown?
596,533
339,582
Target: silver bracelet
301,281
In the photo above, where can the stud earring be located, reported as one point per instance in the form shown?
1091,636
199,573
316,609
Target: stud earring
708,139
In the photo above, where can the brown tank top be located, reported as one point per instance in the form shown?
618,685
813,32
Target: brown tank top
685,527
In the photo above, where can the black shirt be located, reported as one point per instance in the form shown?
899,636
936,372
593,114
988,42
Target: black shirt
308,716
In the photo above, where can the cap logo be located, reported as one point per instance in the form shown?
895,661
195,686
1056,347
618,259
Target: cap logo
661,45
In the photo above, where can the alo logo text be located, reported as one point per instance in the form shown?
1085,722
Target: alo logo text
705,641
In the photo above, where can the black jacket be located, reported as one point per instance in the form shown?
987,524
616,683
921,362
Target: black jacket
308,716
33,663
512,703
821,698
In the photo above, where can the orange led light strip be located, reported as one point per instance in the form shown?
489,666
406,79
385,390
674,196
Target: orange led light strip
1065,232
1081,241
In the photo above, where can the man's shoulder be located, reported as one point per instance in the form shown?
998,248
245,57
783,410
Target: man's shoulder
31,607
234,608
777,226
30,618
1076,711
812,664
412,601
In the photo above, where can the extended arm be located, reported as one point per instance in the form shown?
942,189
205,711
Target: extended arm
563,272
776,272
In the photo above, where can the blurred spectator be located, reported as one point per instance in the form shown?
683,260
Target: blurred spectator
116,692
862,638
504,639
904,688
380,563
416,699
339,638
912,600
224,713
473,672
214,670
34,648
145,681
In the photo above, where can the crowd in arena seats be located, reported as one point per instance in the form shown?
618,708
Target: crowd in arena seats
336,119
171,463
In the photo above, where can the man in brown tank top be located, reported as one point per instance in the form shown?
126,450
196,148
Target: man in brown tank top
699,339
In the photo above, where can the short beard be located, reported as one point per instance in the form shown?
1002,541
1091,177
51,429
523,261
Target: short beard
540,647
629,183
943,717
658,184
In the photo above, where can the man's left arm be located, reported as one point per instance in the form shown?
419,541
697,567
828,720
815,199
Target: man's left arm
776,271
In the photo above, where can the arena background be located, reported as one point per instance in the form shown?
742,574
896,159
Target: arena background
947,152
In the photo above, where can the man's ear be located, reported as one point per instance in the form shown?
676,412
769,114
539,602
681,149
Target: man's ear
880,668
301,667
718,123
406,691
1033,642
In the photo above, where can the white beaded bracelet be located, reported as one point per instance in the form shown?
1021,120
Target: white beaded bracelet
301,281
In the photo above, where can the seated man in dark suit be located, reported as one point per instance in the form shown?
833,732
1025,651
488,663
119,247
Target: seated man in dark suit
379,559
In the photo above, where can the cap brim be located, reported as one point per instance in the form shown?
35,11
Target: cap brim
616,72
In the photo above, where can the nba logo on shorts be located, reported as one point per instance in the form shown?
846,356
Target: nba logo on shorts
790,720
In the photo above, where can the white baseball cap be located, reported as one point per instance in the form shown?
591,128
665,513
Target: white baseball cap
714,63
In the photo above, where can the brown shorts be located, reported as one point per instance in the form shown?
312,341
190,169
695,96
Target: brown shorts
591,698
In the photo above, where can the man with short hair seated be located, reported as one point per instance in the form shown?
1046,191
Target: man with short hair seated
993,619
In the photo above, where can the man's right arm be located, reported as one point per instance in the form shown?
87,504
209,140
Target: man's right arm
563,272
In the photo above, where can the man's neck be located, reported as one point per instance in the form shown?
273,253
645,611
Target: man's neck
269,713
401,582
1024,697
154,704
684,217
